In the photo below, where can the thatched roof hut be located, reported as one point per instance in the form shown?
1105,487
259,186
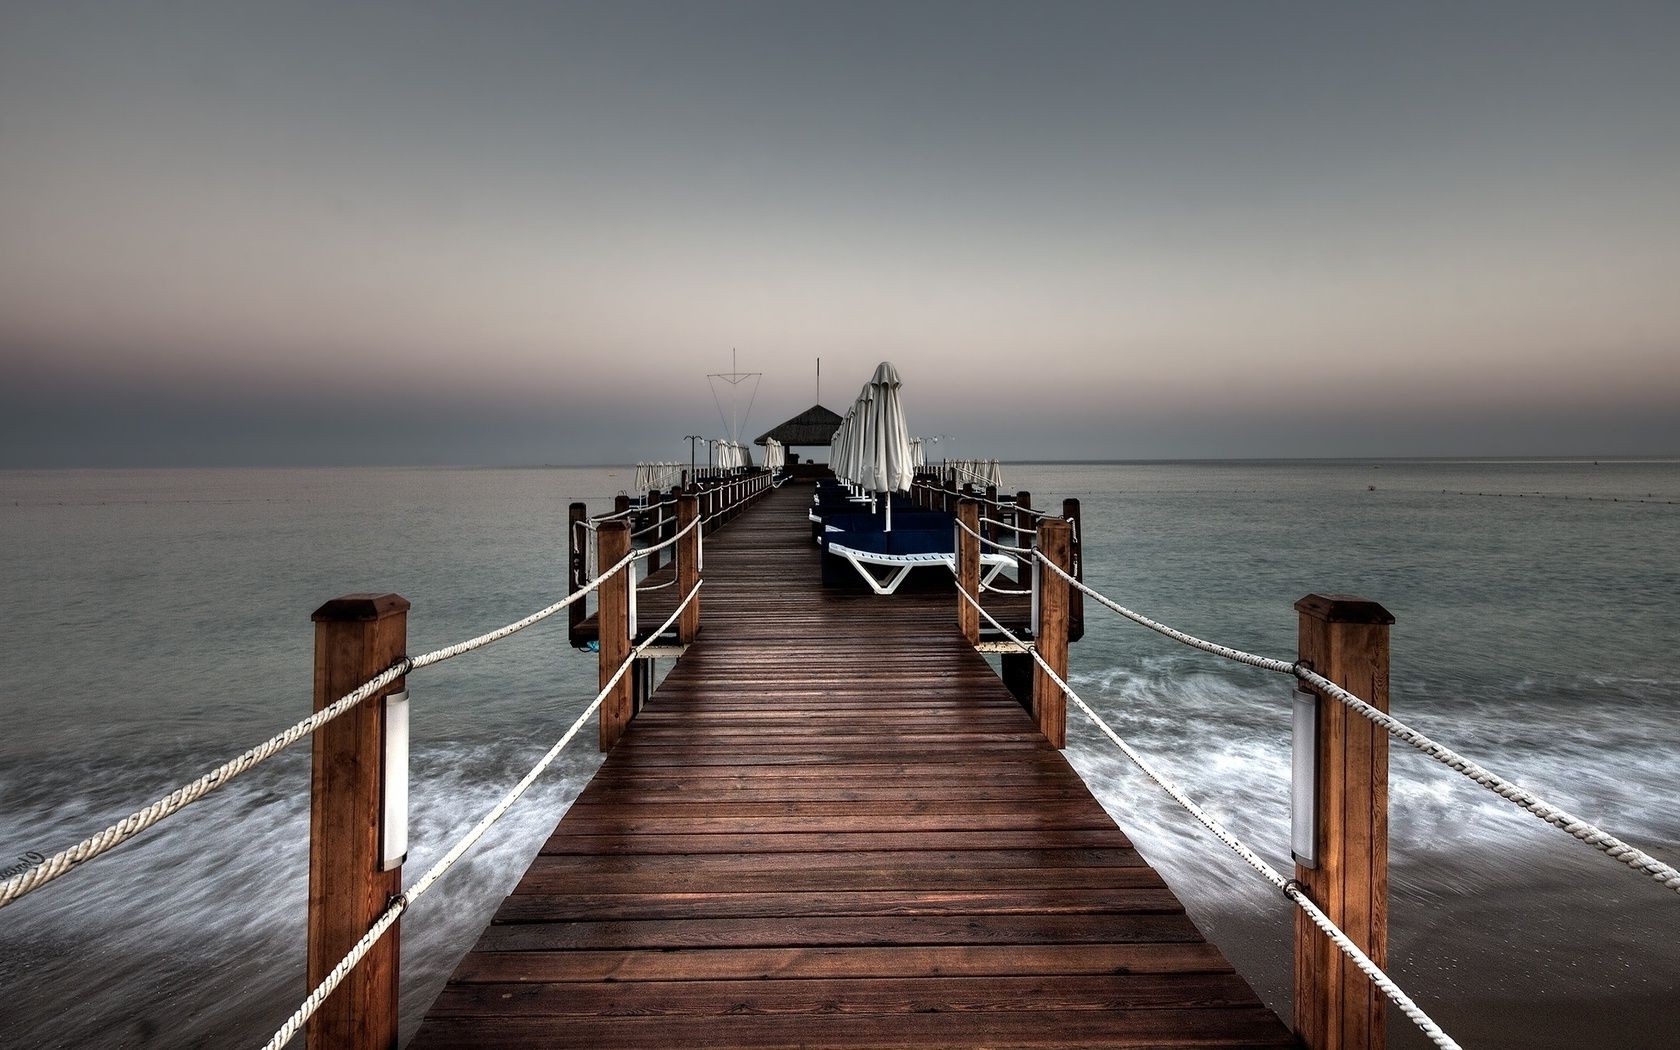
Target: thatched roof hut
814,426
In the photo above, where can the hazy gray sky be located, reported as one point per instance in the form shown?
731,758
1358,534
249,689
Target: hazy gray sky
522,233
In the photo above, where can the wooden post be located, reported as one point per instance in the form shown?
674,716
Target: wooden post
670,529
1050,634
1076,597
688,567
656,521
641,674
621,503
356,637
1016,670
1023,562
576,547
968,570
1345,639
613,542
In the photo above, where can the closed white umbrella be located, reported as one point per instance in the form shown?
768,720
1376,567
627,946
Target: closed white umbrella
884,452
855,453
839,456
918,458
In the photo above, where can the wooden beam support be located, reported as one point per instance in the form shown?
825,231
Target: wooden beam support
688,567
577,544
356,637
655,520
1025,531
613,543
968,569
1345,639
1076,597
1050,634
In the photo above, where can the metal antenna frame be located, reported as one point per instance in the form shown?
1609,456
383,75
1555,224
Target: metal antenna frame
734,377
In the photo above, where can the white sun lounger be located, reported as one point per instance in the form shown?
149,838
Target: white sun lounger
990,564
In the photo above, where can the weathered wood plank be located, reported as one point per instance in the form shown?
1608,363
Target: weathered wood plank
1065,1029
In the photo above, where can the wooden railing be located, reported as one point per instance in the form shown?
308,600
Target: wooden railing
1341,763
352,877
1341,775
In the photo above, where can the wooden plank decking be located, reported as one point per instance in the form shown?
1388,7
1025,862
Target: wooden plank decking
833,827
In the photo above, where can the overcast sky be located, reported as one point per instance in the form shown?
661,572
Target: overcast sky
307,233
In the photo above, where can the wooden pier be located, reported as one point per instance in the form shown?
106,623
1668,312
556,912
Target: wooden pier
832,825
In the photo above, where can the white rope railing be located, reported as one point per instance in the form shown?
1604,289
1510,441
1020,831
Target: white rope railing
1018,530
1385,984
994,543
1584,831
402,901
62,862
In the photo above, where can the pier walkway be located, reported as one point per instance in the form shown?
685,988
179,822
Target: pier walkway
832,826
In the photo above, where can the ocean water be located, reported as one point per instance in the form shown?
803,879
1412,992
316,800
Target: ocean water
157,622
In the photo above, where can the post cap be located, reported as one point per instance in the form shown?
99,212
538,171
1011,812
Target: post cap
354,607
1343,608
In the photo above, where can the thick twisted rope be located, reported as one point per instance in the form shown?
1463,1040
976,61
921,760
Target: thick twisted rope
1381,980
1018,530
402,901
19,886
1584,831
993,543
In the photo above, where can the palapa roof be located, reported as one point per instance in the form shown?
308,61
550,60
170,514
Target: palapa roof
814,426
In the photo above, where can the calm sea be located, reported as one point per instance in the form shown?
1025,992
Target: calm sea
157,622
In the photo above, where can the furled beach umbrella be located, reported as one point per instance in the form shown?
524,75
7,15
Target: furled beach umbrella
839,454
773,454
918,458
884,452
994,475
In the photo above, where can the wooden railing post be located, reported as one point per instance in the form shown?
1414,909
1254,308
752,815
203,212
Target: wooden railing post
670,528
656,521
1024,531
576,547
688,567
1345,639
968,570
613,543
1076,597
356,637
1050,634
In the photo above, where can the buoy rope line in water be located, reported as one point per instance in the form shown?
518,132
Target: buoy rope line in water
19,886
1288,887
1591,834
402,901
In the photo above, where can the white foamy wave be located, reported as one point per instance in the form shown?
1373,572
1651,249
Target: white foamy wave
194,933
1466,866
